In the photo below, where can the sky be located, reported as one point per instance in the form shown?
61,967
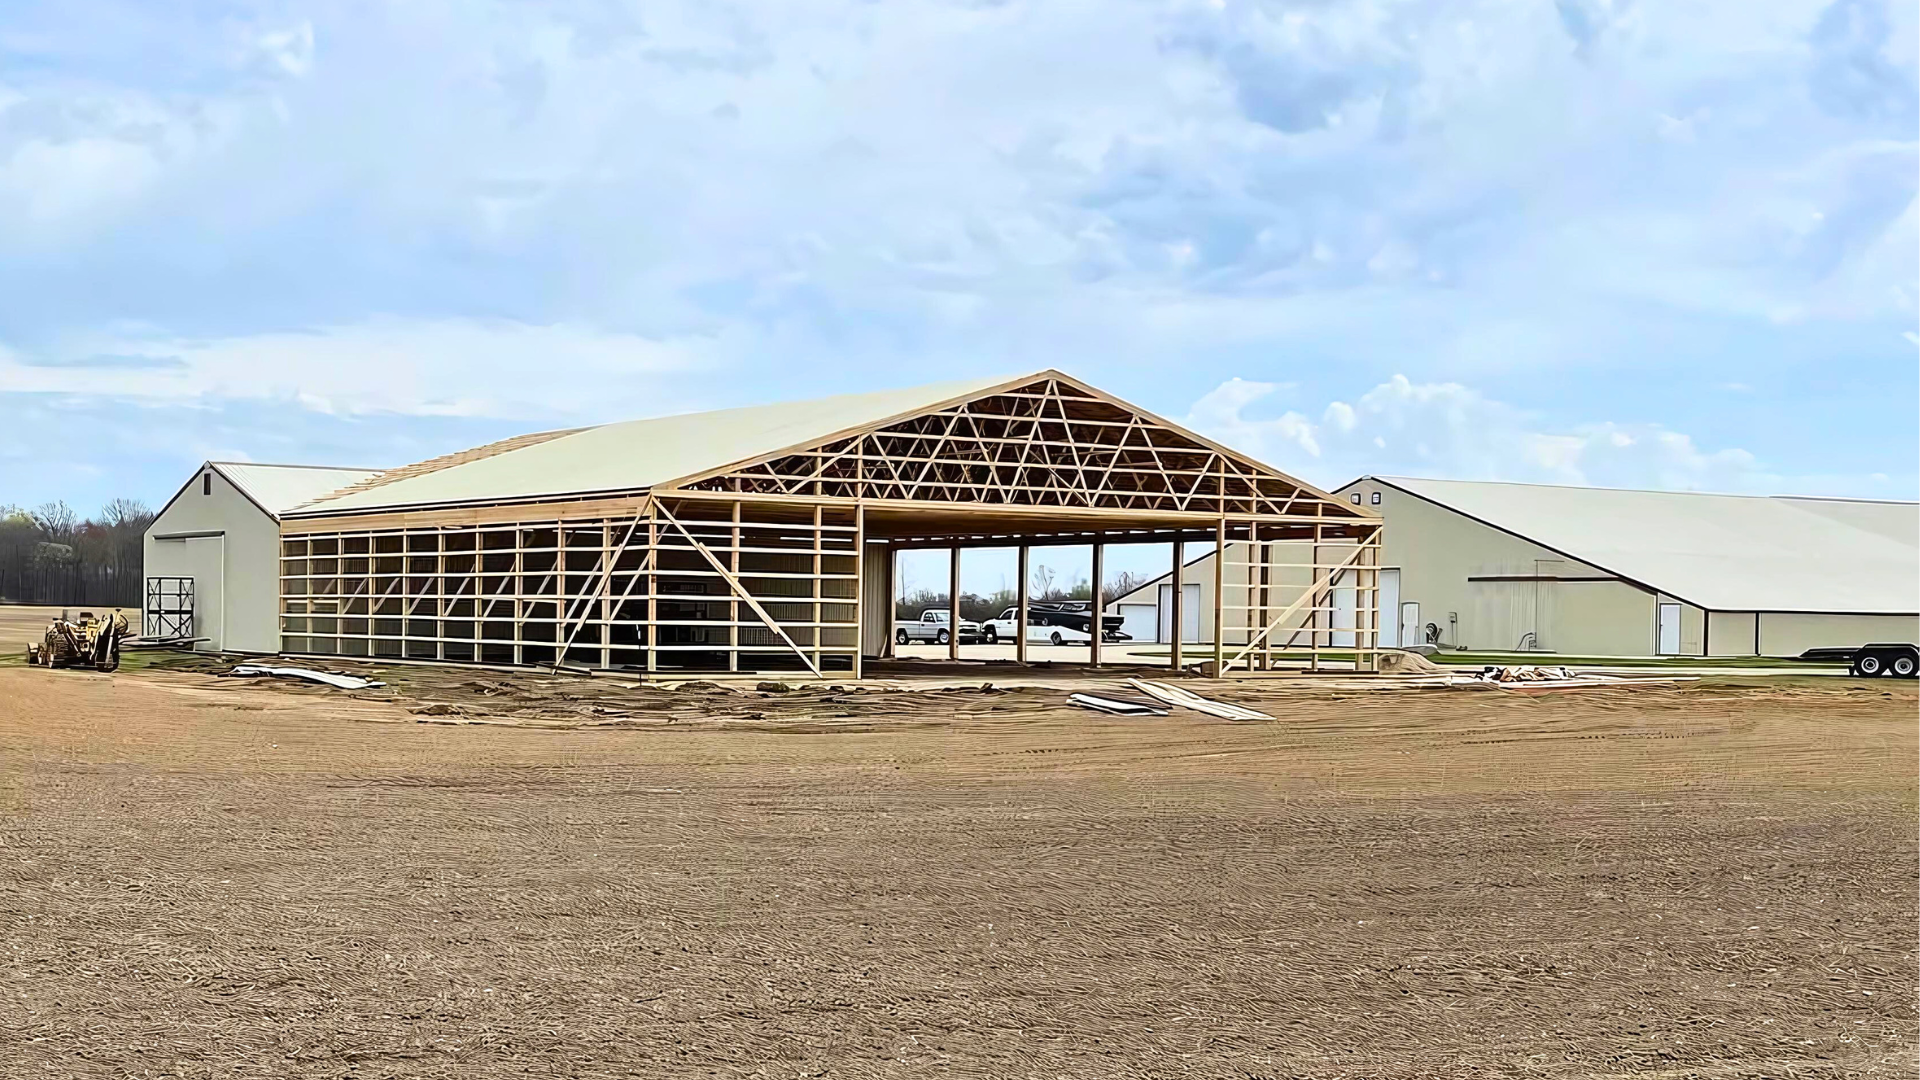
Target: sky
1618,242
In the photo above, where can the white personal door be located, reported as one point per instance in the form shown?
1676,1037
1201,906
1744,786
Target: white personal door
1344,608
1390,608
1668,642
1410,629
1189,614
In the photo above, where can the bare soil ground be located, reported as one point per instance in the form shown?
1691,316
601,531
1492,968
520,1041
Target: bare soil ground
208,877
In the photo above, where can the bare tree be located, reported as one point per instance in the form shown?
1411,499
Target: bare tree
1040,581
56,519
122,513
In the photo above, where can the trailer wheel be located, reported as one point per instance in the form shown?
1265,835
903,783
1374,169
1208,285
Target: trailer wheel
1867,665
1904,666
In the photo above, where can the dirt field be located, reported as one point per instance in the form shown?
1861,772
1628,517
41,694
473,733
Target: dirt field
214,878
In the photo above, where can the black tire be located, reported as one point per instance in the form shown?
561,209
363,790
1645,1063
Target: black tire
1868,665
1904,666
941,637
993,634
900,637
1056,638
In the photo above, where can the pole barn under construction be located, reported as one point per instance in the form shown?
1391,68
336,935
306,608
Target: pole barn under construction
761,540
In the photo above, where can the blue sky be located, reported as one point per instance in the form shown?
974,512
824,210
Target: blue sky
1628,243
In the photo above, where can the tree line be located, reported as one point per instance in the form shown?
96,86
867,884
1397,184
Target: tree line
50,555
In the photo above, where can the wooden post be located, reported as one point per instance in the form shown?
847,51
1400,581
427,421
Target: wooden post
817,519
953,605
859,591
1264,554
607,558
1098,595
440,606
1219,596
653,589
1313,635
1020,620
733,617
1176,596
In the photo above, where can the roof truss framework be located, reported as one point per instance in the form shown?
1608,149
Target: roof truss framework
1047,443
759,565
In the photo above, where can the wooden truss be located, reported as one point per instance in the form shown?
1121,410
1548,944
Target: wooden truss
1050,443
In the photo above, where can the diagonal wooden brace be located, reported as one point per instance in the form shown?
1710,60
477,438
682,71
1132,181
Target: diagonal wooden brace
1320,585
739,589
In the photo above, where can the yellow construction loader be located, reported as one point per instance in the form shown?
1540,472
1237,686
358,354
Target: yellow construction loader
83,642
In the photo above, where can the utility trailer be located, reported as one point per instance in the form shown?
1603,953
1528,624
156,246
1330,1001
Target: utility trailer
1900,660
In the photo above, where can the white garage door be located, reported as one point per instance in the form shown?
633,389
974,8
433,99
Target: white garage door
1189,614
1141,622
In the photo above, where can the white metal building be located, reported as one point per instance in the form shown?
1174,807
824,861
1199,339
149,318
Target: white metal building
213,553
1604,572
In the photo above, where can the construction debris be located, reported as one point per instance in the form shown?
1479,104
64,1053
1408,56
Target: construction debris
1117,706
1186,699
331,678
1403,662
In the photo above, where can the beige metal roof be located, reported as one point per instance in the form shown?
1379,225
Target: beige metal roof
279,488
640,454
1719,552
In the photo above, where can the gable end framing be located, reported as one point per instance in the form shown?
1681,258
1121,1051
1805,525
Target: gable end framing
1040,441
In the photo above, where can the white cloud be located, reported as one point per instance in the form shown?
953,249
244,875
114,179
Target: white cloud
1452,431
449,367
743,193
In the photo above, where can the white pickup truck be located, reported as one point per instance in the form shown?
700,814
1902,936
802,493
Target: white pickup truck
934,625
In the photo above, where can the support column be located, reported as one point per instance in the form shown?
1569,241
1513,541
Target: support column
859,594
1219,597
653,589
607,558
1020,618
733,609
1097,626
953,606
1177,596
